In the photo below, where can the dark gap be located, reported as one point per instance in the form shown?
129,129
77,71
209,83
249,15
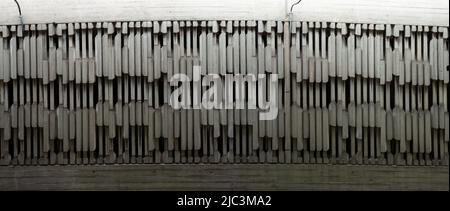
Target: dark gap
56,92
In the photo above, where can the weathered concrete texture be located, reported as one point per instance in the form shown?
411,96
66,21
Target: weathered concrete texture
224,177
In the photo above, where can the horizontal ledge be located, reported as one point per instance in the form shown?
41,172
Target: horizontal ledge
419,12
224,177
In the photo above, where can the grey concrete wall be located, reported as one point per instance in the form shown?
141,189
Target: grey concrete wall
416,12
224,177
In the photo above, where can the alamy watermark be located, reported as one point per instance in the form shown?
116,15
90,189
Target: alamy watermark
230,95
